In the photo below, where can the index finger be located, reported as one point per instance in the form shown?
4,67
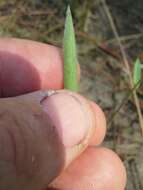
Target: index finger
27,66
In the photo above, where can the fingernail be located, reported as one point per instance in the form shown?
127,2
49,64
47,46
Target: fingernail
71,115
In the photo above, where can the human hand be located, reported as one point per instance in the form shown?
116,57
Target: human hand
47,137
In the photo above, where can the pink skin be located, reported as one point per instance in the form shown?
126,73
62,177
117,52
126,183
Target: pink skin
30,67
93,169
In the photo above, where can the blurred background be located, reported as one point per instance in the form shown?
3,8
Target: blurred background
109,39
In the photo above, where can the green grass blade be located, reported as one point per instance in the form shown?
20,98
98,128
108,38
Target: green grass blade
137,72
70,54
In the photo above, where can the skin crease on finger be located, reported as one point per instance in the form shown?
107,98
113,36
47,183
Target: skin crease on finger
46,60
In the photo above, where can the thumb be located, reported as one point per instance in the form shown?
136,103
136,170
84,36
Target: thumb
74,120
40,134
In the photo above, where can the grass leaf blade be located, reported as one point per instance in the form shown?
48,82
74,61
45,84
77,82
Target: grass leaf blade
70,54
137,72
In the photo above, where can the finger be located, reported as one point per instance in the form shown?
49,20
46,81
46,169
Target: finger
27,66
95,169
40,135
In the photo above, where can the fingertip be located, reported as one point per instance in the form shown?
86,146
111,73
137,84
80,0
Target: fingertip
100,125
113,171
97,168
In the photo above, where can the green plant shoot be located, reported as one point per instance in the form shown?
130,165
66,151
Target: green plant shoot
70,54
137,72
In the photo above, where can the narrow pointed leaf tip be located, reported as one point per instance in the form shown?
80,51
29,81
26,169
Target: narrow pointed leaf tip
137,72
70,54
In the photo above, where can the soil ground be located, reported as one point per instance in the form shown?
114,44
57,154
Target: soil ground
104,75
